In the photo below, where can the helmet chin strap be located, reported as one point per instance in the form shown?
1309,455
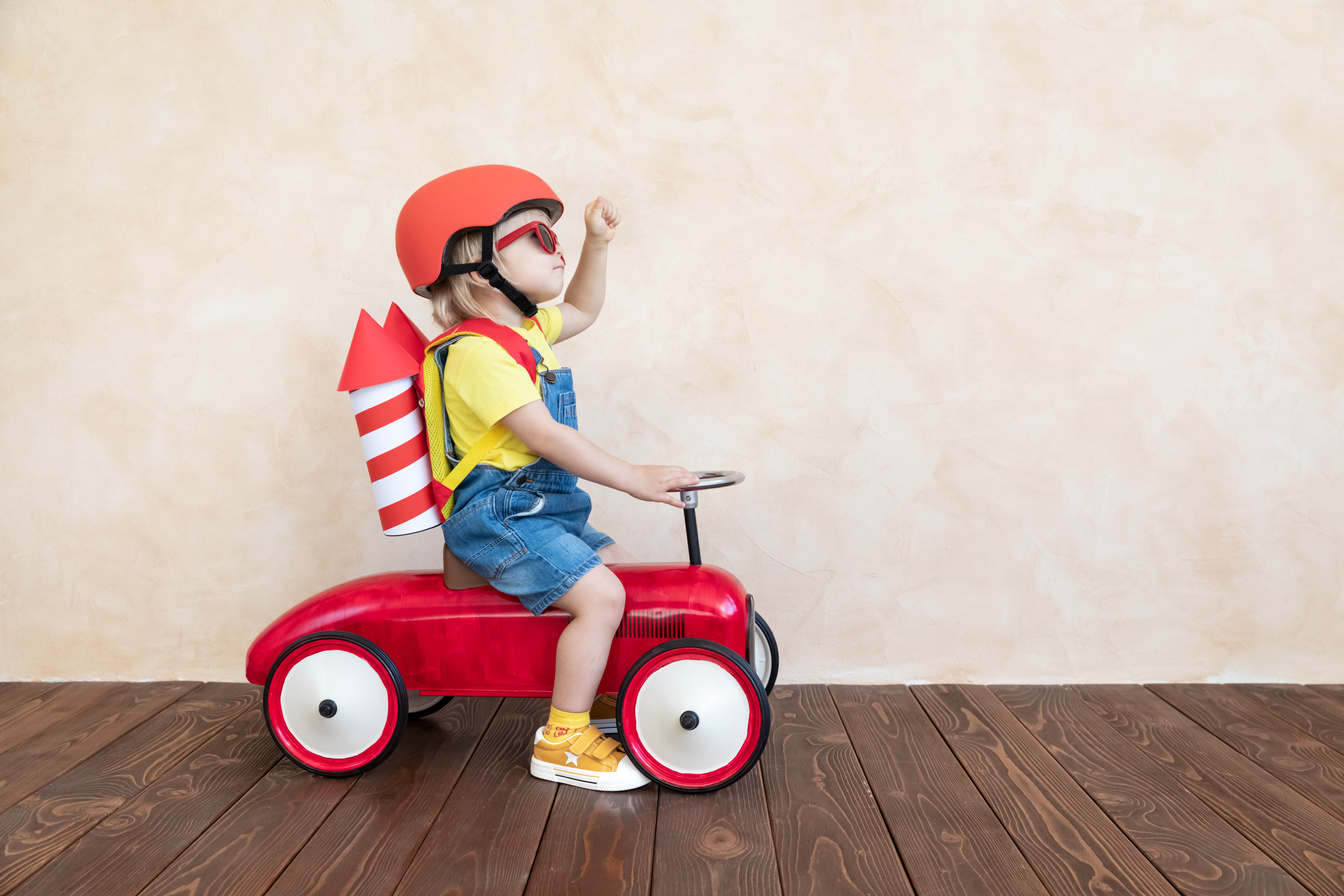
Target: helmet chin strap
492,276
487,269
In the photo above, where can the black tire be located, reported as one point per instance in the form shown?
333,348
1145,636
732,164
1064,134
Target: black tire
417,707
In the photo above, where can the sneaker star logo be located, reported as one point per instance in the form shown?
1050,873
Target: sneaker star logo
571,758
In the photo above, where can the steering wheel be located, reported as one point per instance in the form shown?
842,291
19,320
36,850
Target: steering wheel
713,479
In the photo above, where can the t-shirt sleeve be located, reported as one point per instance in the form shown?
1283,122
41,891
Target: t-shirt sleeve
490,382
550,322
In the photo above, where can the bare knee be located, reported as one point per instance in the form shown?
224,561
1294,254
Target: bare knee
598,597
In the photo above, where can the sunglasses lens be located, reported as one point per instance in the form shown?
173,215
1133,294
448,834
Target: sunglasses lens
546,238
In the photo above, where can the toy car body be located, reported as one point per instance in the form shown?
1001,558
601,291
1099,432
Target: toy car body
691,665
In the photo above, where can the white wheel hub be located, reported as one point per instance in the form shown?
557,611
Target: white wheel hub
355,692
721,711
761,649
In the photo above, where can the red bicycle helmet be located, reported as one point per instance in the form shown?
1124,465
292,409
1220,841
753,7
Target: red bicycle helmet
478,197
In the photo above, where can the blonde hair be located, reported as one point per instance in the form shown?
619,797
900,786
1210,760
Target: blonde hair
451,298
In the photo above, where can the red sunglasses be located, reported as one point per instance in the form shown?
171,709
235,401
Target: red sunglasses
545,236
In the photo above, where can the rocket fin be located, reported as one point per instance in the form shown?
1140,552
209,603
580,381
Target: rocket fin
403,329
375,357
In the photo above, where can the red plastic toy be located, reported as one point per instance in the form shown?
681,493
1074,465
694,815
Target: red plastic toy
692,665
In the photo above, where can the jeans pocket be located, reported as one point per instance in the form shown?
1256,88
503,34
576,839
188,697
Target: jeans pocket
520,502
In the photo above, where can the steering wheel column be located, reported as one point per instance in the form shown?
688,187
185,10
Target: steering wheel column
689,497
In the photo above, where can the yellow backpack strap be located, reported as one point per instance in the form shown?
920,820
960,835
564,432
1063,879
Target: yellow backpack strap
447,477
493,436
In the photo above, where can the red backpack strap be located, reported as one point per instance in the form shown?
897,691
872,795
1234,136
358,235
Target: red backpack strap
508,339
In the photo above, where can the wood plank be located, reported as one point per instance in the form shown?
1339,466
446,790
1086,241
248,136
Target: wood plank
47,709
1271,742
950,839
1188,842
1072,845
454,811
829,833
487,834
1331,691
717,842
598,844
16,694
130,847
1309,709
36,830
246,849
1304,839
366,844
114,710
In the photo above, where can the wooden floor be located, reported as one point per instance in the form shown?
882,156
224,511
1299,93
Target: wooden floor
178,788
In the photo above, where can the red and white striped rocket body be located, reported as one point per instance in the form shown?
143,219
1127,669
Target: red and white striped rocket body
380,376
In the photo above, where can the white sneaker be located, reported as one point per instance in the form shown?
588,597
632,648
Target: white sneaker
586,759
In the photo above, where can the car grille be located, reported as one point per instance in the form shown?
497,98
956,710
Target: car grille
652,624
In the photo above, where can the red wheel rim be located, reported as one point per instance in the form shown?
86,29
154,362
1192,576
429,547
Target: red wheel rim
300,729
647,757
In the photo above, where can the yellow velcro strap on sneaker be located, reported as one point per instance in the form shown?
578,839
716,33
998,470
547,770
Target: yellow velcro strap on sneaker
589,736
605,748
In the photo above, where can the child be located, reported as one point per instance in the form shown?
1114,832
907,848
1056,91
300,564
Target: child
477,242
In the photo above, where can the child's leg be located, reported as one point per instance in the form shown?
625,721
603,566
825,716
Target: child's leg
602,713
595,605
568,750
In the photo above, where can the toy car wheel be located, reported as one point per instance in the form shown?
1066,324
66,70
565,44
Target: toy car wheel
766,653
335,703
693,715
420,705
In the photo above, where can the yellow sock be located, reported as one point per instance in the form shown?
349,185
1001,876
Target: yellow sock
562,724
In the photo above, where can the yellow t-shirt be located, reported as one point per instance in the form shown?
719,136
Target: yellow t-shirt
482,384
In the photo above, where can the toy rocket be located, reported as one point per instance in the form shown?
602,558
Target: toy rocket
380,375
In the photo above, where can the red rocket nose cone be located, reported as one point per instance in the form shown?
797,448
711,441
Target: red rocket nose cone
374,357
403,329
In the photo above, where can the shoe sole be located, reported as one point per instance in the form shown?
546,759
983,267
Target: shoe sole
604,781
606,726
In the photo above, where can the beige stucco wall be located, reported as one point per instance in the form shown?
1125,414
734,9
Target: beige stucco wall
1025,320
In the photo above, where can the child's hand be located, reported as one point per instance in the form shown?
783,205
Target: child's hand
659,484
600,217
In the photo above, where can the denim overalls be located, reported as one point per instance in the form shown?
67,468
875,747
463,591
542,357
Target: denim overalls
527,531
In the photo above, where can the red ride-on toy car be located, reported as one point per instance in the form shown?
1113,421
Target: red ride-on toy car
691,664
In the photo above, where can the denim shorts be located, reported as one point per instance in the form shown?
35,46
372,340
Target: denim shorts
526,532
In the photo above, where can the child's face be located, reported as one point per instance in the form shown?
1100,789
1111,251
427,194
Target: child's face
536,273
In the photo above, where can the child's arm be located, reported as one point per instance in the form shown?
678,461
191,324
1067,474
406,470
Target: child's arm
588,287
571,450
